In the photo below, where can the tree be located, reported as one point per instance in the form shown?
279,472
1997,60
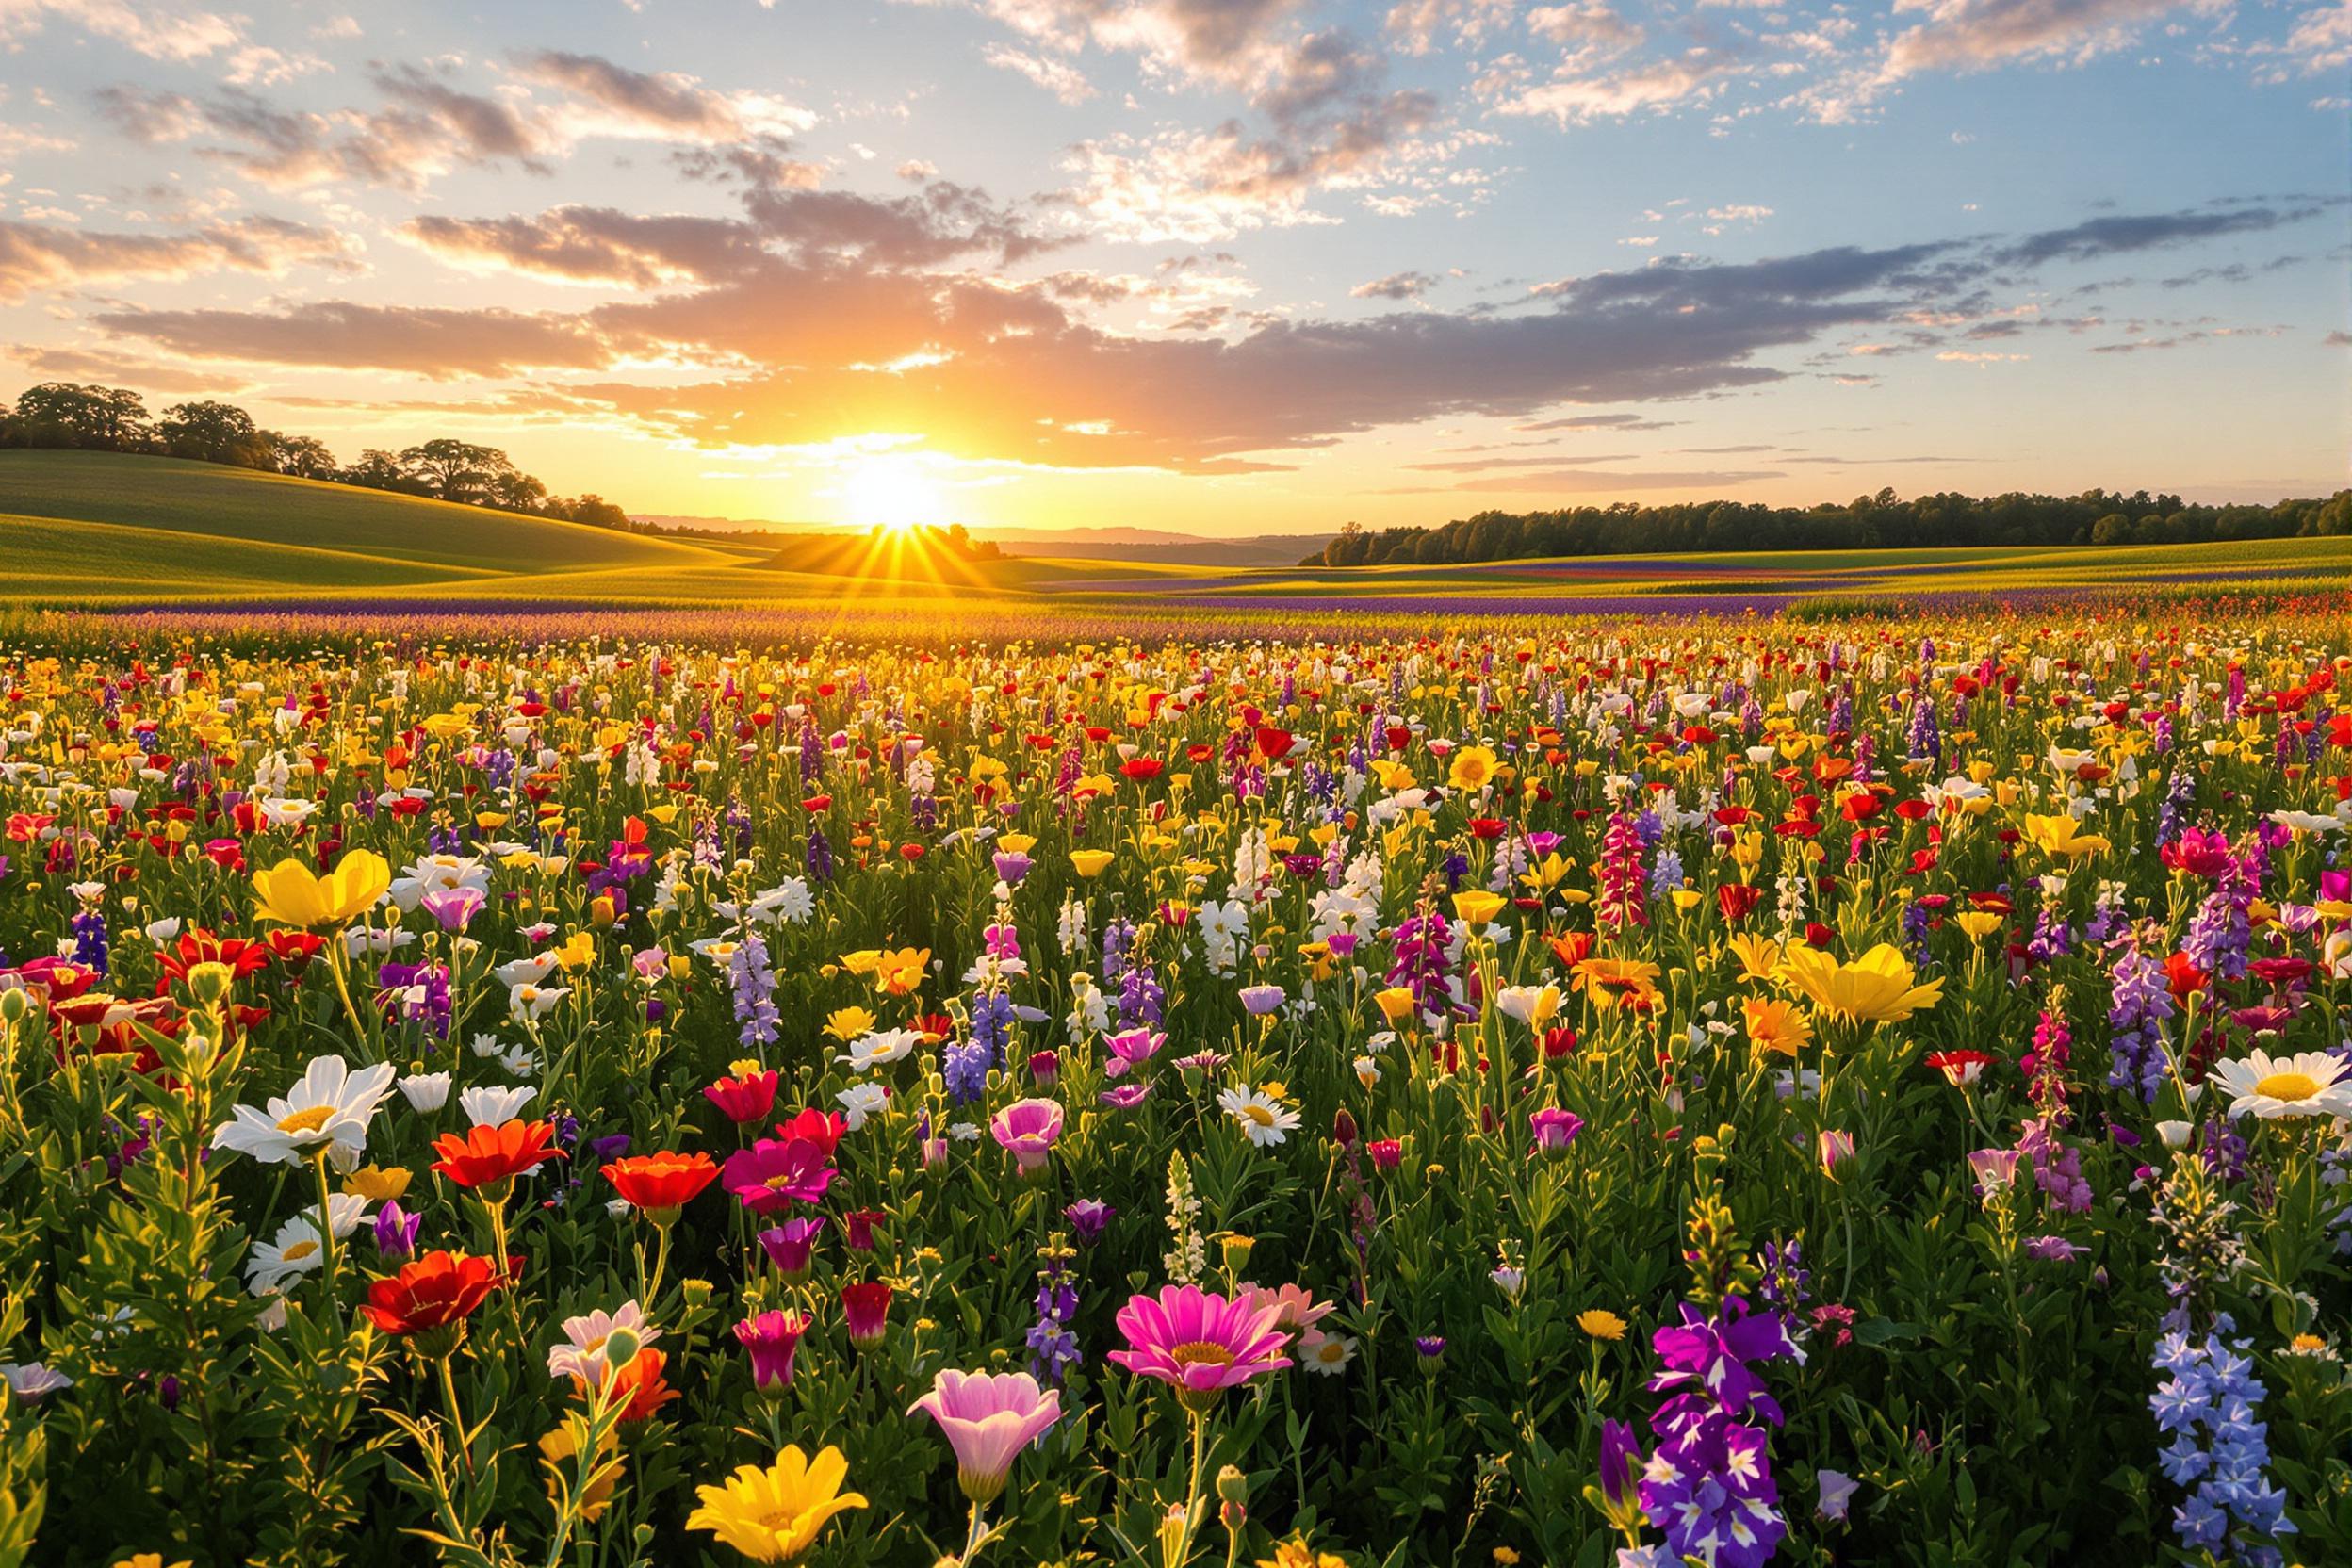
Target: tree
455,470
303,456
516,491
67,414
213,432
2114,529
377,469
596,512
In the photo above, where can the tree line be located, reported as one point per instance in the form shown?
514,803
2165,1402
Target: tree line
1884,521
69,416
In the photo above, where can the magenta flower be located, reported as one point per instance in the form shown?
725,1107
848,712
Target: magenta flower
1128,1049
773,1338
1555,1129
789,1245
1028,1128
774,1171
455,908
1199,1342
989,1418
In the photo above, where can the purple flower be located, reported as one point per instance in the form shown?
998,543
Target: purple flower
396,1233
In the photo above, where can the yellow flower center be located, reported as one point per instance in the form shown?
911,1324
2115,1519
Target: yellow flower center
1199,1352
307,1121
299,1251
2288,1085
1259,1114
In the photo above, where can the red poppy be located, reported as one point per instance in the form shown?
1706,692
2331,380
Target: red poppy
2186,979
201,946
488,1154
744,1098
1140,768
437,1291
660,1183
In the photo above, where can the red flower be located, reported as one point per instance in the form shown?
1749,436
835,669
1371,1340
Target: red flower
2186,977
488,1154
661,1184
641,1388
1736,899
746,1099
201,946
437,1291
822,1128
1140,769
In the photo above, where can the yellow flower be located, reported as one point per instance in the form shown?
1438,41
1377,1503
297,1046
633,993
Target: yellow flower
559,1449
291,895
1775,1026
773,1515
1874,988
1396,1004
2063,837
1615,982
1759,957
1475,908
578,951
148,1560
1472,768
1091,864
1601,1324
377,1185
1296,1553
848,1023
1978,923
900,972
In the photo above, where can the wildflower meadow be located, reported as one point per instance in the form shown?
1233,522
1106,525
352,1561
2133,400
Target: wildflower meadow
1863,1090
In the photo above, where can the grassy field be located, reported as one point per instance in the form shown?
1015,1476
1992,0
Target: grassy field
102,529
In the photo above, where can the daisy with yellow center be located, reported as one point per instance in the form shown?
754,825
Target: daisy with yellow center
2311,1083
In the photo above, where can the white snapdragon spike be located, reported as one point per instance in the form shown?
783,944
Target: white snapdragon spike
329,1110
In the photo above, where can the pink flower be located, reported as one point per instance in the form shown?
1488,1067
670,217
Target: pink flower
774,1171
789,1245
773,1338
1028,1128
1293,1309
1555,1129
989,1418
1199,1342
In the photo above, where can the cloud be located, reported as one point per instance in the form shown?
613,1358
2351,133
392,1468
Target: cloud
662,105
80,364
584,244
173,33
1397,285
2111,236
1975,35
1549,460
36,258
1059,77
1698,74
1603,481
432,342
1599,421
1417,25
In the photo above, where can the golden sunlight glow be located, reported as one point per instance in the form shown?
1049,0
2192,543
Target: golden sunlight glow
891,495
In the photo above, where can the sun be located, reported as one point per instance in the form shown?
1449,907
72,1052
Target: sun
890,495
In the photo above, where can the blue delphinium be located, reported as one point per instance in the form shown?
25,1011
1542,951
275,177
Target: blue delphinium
2218,1451
754,987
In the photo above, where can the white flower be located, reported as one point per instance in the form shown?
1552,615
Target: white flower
329,1109
297,1249
486,1106
528,1001
1534,1005
1326,1355
860,1101
883,1045
2174,1134
28,1381
520,1062
426,1091
582,1354
486,1045
1262,1118
525,971
2311,1083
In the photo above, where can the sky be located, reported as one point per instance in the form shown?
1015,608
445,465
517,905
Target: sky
1211,266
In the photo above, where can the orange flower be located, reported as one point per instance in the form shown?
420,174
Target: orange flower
662,1183
641,1387
488,1154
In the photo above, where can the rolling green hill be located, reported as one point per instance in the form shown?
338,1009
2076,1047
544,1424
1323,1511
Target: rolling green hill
246,511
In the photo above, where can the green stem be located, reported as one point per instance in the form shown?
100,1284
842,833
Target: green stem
326,1236
457,1422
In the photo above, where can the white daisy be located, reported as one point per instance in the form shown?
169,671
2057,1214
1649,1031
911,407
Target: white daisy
1326,1355
860,1101
296,1250
486,1106
329,1109
883,1045
2311,1083
1264,1118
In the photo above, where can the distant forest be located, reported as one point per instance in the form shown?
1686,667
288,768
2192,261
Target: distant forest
68,415
1884,521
